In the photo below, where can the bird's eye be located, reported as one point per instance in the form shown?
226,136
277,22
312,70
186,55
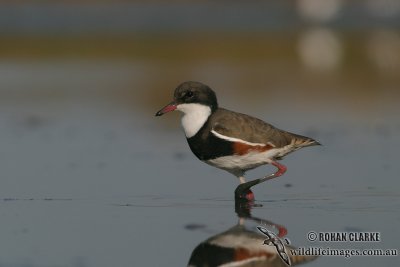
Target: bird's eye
189,94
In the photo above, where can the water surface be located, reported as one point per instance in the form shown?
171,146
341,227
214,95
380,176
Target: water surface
89,179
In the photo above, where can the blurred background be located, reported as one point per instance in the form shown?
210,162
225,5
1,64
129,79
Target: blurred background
80,82
136,52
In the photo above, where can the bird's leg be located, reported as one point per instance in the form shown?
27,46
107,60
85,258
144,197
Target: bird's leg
281,170
246,194
243,189
243,192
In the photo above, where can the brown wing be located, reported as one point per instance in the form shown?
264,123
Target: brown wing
251,129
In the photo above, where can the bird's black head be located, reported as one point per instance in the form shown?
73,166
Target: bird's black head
197,93
191,93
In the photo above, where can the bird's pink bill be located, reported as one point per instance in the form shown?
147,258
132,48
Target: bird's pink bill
168,108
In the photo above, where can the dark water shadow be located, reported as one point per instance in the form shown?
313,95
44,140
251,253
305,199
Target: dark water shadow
246,246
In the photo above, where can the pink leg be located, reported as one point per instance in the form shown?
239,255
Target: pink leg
243,190
281,169
282,230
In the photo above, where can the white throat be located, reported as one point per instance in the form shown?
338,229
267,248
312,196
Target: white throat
195,115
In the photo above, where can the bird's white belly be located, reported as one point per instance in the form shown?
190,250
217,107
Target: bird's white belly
238,164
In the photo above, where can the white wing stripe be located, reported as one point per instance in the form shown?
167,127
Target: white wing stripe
233,139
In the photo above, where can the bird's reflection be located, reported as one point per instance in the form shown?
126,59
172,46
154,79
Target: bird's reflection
243,246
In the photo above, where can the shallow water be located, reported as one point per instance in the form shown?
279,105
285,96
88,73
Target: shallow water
89,181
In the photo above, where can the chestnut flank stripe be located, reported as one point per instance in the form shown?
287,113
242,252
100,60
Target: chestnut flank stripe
243,149
244,254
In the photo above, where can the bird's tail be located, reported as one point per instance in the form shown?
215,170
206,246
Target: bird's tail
303,142
300,141
295,142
